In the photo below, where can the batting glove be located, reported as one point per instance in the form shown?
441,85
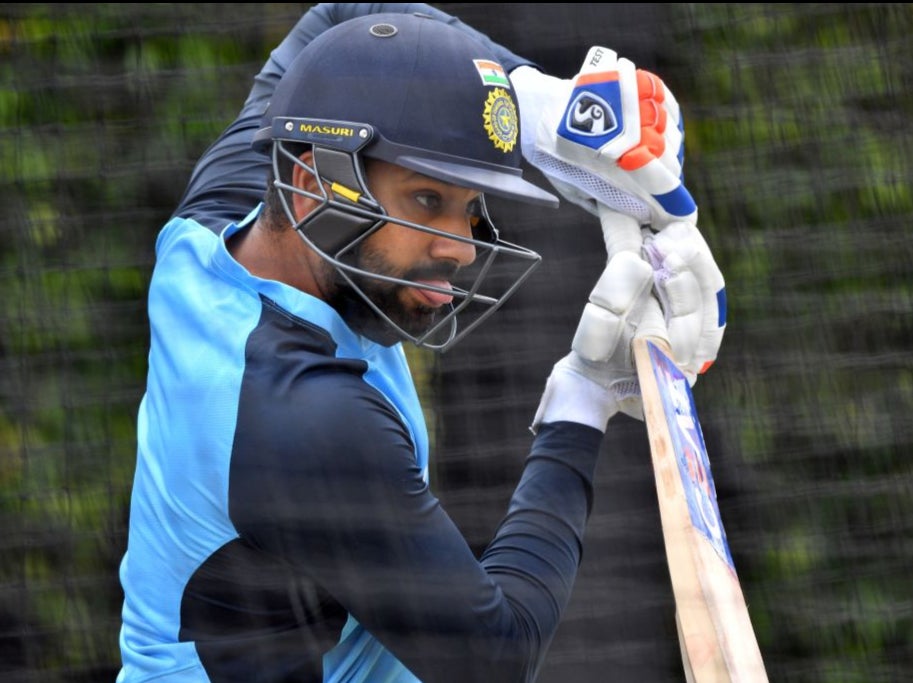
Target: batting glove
613,134
686,281
664,285
692,292
597,378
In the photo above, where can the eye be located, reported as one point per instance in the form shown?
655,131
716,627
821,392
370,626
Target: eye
474,211
431,201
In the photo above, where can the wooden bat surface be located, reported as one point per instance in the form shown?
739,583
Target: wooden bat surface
715,632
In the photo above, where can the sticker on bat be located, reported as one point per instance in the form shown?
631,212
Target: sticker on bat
690,451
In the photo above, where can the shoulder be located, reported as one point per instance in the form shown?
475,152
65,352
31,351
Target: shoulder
311,429
297,396
178,230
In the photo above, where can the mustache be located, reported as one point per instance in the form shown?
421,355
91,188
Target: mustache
436,271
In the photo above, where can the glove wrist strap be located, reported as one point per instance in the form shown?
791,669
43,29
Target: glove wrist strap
571,397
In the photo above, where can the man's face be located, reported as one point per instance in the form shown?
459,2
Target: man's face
409,254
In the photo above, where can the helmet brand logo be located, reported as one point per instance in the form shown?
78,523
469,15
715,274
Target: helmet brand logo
501,120
323,129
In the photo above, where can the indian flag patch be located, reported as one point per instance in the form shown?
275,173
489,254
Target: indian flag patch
491,72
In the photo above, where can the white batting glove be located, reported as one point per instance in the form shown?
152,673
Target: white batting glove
687,282
613,134
597,378
692,291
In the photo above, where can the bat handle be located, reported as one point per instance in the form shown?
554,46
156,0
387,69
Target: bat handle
653,325
622,233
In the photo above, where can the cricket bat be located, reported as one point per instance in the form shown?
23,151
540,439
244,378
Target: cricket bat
716,637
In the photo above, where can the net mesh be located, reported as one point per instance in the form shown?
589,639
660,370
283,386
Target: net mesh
798,153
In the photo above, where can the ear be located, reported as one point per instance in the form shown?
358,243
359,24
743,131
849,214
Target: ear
304,179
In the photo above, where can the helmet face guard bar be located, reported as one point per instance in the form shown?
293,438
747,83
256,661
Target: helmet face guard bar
350,215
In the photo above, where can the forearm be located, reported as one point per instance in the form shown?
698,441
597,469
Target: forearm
367,530
497,623
536,552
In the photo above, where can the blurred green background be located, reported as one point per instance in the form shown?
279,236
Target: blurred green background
799,154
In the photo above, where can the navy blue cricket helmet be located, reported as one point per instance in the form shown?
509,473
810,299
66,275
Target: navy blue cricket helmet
416,92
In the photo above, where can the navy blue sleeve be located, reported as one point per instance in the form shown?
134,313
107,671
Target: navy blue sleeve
327,481
230,178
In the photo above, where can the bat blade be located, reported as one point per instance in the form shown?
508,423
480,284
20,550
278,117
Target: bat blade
717,639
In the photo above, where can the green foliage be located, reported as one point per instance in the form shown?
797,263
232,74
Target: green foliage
102,110
799,155
802,122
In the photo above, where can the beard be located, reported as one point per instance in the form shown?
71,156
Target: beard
348,298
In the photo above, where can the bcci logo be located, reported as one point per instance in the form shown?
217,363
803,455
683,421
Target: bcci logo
589,115
501,121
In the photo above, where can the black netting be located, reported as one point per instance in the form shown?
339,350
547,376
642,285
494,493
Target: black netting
799,156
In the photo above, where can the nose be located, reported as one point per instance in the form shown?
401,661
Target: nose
443,246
